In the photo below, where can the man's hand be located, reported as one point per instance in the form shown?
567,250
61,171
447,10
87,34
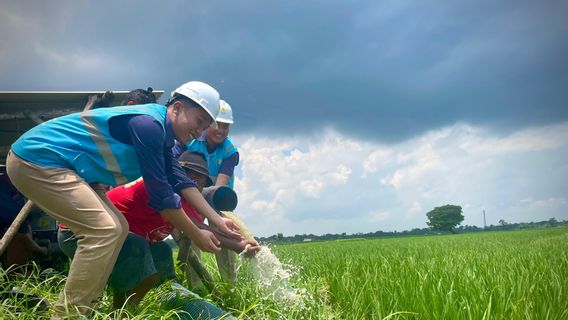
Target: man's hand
228,227
252,249
206,241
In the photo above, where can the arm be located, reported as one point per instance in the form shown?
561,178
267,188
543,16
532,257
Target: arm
227,169
154,157
204,239
195,198
229,243
222,180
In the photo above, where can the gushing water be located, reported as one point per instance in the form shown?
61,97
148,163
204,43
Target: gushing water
273,278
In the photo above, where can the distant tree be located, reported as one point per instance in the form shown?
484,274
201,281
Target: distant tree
503,222
445,218
279,236
552,222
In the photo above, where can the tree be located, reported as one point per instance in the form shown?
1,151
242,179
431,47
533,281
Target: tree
552,222
503,222
445,218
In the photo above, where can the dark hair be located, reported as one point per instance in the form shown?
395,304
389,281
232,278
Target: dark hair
140,96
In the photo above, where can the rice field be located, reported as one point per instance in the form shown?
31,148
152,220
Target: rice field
517,275
494,275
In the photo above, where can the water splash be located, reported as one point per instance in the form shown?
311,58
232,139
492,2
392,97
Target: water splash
273,279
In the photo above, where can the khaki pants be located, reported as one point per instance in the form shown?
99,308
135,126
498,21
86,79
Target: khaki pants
99,227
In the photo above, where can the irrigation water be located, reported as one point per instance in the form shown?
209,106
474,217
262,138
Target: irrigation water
273,279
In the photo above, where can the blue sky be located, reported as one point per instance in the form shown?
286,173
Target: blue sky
350,116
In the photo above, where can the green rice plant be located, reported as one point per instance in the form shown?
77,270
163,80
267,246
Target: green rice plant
493,275
501,275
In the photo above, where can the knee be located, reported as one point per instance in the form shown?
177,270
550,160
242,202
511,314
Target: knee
121,231
115,233
124,229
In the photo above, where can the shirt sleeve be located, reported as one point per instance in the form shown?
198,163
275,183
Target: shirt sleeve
229,164
178,149
178,178
151,148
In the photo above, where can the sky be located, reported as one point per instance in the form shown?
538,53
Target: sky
350,116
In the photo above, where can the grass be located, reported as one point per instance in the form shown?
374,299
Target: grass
494,275
502,275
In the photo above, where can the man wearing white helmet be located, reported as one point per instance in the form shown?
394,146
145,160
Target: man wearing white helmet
55,163
222,158
219,150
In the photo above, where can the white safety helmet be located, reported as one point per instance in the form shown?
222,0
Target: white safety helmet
225,113
203,94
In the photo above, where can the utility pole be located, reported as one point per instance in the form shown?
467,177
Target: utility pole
484,223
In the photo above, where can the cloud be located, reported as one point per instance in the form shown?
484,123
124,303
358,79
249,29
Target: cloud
379,71
529,139
335,184
536,209
349,118
376,158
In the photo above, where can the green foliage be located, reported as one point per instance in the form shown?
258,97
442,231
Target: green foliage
445,218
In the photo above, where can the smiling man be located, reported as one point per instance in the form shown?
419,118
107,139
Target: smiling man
221,154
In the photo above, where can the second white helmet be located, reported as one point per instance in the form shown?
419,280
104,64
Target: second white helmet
225,113
204,95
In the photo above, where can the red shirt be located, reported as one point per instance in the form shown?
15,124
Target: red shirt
132,200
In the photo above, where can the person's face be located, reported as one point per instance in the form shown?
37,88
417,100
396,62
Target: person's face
199,179
188,122
217,136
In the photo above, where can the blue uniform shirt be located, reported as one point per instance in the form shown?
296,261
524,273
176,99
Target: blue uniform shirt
112,146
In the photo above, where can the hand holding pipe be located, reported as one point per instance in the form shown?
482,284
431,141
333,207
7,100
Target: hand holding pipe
230,243
243,229
224,200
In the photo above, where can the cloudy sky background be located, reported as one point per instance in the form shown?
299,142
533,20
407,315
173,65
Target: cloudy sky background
351,116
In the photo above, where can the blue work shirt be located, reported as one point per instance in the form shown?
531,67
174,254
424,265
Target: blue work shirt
227,167
163,176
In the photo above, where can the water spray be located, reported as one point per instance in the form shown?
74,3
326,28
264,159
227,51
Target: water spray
272,276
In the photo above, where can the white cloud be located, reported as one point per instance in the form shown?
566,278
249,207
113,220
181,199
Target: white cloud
336,184
415,166
311,188
530,139
341,174
377,158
